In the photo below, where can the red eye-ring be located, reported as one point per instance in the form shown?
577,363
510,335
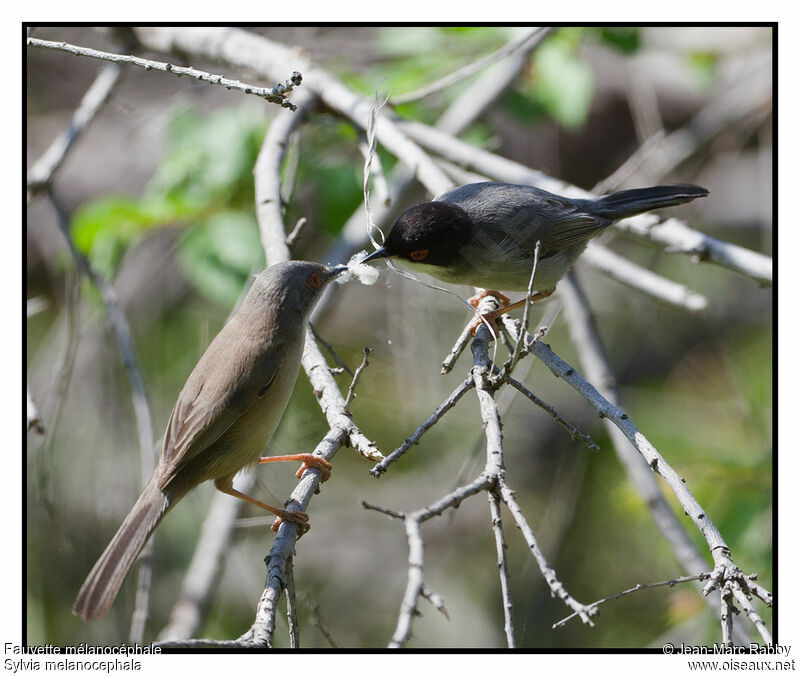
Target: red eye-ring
314,280
418,255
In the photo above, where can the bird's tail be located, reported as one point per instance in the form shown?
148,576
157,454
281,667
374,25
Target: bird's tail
103,582
626,203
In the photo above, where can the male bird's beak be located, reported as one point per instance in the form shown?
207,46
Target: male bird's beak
378,253
338,270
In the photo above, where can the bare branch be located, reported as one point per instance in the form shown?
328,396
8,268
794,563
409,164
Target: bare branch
502,565
276,94
267,173
638,587
443,408
574,432
351,392
643,280
41,173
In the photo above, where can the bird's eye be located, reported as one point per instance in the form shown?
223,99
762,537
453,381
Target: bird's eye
418,255
314,280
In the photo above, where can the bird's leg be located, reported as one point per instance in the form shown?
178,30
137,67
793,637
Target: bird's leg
300,518
507,306
308,459
478,297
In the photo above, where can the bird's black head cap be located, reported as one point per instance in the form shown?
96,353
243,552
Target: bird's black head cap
430,233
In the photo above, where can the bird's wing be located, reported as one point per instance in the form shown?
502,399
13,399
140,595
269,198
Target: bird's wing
567,223
526,214
215,395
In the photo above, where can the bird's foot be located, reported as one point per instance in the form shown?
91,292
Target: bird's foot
309,460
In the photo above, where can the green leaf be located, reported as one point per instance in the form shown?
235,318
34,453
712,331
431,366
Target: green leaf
563,82
626,39
219,254
104,228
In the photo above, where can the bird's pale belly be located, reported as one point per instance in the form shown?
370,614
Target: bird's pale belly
511,274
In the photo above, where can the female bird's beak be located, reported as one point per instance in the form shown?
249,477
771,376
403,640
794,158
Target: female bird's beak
378,253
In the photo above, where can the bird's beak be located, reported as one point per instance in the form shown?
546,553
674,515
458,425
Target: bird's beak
338,270
378,253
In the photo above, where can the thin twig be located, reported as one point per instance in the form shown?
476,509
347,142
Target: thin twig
291,605
574,432
315,619
502,565
351,392
434,599
297,232
330,350
556,587
643,280
443,408
592,354
638,587
41,173
276,94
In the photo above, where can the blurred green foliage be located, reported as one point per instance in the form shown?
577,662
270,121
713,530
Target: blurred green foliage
205,181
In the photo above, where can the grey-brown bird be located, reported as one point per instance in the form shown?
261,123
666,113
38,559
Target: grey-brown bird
224,418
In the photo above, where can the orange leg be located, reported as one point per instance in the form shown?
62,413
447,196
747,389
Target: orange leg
308,461
507,307
300,518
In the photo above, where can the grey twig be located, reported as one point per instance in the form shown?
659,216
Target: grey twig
297,232
458,347
592,354
434,599
315,619
574,432
276,94
330,350
638,587
443,408
41,173
643,280
725,570
524,43
556,587
351,392
141,407
267,178
291,605
502,566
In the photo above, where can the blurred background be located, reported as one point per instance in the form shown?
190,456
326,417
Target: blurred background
159,192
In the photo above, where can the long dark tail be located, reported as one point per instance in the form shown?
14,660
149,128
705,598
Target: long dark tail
103,582
626,203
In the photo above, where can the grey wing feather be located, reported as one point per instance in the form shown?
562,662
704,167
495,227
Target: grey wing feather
524,210
213,398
